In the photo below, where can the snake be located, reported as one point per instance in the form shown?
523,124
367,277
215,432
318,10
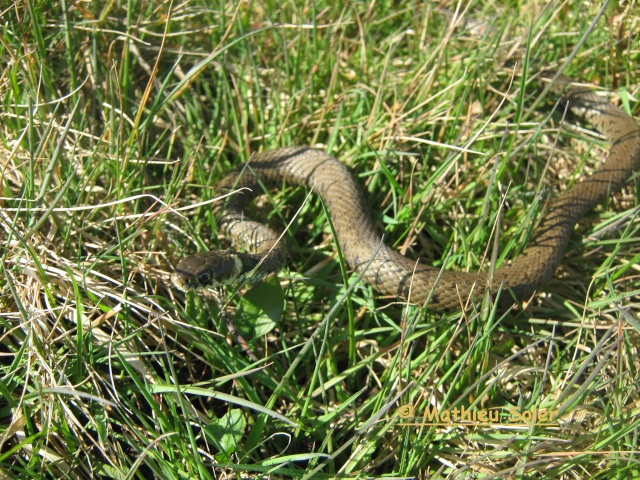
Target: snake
259,250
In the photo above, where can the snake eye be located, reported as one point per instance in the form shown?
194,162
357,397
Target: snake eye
205,277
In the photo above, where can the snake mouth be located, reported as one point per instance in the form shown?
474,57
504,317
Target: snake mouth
176,279
181,280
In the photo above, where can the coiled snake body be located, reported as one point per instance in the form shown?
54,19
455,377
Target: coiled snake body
389,272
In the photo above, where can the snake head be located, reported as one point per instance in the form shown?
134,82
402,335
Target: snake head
208,269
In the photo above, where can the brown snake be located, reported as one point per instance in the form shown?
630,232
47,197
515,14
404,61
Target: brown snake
389,272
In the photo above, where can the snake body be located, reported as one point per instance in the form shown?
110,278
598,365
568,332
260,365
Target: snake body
386,270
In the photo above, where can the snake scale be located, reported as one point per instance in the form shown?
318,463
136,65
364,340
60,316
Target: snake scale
389,272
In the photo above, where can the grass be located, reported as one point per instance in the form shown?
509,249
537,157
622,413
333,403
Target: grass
119,118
